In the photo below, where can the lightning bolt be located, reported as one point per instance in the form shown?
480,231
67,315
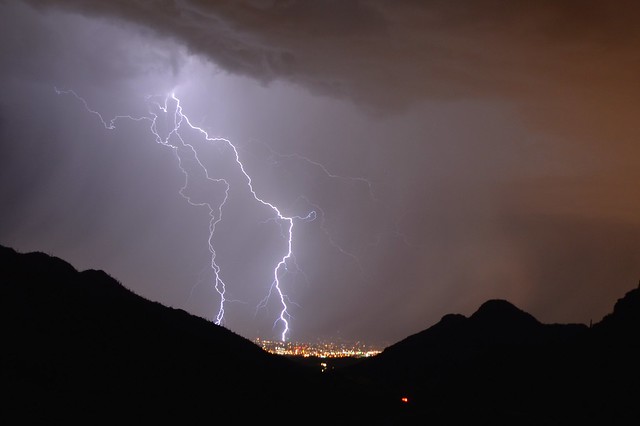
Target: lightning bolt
185,151
277,157
324,170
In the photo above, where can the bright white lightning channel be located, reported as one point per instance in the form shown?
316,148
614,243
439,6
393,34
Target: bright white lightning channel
182,149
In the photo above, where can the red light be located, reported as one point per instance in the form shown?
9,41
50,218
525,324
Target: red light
404,399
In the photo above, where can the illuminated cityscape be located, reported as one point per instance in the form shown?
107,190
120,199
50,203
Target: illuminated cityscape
320,349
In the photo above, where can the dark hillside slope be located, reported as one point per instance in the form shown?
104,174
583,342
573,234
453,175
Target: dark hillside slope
501,365
80,345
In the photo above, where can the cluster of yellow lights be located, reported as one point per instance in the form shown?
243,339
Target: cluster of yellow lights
320,350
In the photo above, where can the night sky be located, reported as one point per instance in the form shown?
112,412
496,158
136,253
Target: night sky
453,152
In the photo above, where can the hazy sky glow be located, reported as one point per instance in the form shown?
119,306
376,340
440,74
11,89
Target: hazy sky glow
454,153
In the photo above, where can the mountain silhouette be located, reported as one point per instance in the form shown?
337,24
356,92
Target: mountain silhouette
79,346
622,325
501,313
502,366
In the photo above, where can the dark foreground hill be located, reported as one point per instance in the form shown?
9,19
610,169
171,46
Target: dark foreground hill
80,346
502,366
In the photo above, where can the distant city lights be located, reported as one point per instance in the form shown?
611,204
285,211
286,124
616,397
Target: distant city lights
320,350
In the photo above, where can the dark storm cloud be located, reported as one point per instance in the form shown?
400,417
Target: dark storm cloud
398,52
561,63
